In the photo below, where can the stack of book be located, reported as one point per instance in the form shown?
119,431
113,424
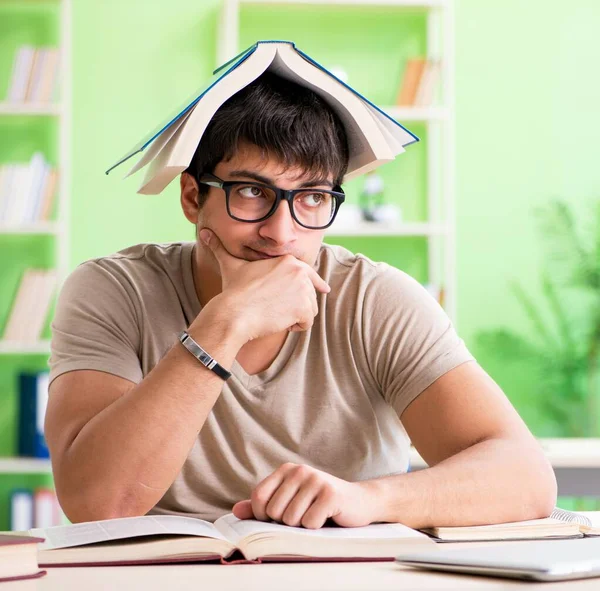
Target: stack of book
419,83
34,75
30,308
27,191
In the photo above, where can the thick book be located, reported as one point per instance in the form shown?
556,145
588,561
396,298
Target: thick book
374,137
560,524
169,539
18,557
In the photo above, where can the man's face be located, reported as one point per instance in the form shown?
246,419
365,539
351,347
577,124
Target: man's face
275,236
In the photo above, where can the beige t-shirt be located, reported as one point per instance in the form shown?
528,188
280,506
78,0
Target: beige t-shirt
331,398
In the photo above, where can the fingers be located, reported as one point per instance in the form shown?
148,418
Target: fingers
262,494
320,284
225,259
243,510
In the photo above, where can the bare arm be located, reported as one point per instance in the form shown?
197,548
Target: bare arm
486,467
116,447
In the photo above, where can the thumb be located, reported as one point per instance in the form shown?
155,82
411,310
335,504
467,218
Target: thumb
243,510
224,258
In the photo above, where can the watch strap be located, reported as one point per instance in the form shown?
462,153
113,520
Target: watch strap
202,356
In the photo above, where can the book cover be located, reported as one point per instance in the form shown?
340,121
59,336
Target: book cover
33,400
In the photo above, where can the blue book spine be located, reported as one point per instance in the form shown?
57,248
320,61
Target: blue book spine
33,399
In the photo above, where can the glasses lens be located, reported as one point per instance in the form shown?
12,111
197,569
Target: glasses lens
314,208
248,201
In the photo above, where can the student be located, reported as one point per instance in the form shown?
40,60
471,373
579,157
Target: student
336,362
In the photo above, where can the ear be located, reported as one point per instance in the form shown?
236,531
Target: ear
189,197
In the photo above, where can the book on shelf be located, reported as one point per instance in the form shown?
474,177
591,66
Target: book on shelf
168,538
373,136
18,558
34,508
31,305
33,400
34,76
419,82
27,192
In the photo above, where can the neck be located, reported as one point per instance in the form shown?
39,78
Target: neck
207,279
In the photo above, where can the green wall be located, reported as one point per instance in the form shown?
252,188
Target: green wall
526,127
527,124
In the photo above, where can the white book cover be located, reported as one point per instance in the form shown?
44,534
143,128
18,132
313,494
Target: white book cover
43,93
41,305
18,313
5,191
40,63
20,74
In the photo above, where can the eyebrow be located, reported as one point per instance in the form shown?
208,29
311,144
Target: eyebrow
314,182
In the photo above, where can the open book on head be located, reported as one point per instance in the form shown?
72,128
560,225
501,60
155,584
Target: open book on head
373,136
167,538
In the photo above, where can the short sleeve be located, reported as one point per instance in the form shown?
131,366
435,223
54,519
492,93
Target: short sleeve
95,325
409,339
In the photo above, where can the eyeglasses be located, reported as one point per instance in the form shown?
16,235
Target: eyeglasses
314,209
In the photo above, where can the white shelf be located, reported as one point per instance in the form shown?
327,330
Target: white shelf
369,3
417,113
17,348
52,228
562,453
29,109
25,466
381,229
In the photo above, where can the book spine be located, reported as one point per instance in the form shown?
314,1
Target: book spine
410,82
33,400
21,510
20,75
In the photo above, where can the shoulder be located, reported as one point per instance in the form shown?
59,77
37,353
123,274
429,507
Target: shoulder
346,271
134,264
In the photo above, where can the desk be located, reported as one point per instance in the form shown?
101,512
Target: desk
576,463
369,576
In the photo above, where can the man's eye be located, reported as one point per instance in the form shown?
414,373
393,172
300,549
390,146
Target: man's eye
250,192
313,199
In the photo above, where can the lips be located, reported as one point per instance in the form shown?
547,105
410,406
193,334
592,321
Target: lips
265,255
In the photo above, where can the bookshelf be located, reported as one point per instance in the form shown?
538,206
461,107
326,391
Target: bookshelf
43,127
433,236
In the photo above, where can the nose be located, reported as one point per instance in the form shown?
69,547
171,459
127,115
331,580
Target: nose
280,228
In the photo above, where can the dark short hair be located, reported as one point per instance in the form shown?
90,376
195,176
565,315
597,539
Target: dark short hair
287,121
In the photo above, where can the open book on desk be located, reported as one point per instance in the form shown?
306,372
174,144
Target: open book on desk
167,538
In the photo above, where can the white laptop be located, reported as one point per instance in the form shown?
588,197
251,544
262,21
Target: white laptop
546,560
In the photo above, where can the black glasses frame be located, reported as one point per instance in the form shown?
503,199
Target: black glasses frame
280,195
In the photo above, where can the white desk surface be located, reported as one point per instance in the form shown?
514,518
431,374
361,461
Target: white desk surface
273,577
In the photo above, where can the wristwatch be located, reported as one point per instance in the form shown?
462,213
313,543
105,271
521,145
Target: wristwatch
202,356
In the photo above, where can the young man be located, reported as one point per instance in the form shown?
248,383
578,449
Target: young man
337,362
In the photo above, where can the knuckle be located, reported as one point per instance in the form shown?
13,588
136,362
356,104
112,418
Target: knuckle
259,497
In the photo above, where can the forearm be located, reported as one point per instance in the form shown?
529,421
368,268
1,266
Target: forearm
495,481
125,458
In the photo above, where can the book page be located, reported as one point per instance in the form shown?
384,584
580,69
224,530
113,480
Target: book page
67,536
236,529
593,526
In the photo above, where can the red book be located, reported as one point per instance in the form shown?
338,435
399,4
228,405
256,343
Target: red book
18,557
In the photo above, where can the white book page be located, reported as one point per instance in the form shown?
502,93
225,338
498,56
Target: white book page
593,516
236,529
67,536
159,143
